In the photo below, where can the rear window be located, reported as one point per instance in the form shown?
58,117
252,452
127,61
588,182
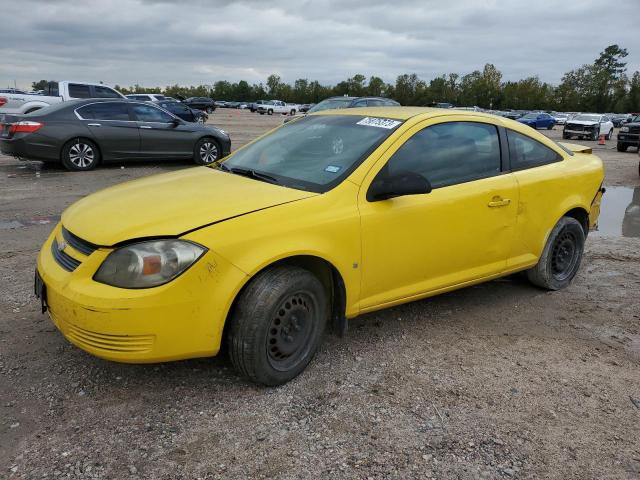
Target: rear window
105,111
79,91
525,152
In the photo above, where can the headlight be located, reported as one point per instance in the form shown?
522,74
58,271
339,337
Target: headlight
624,129
148,264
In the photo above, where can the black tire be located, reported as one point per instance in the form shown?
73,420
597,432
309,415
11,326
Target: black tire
621,147
261,113
566,136
207,151
550,127
610,134
80,154
270,112
209,110
560,259
292,112
277,325
594,135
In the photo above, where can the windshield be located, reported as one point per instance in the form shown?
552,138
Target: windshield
314,153
587,118
331,103
561,115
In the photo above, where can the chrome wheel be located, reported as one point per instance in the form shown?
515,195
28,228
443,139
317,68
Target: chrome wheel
81,155
208,152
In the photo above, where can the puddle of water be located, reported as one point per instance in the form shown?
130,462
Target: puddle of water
619,213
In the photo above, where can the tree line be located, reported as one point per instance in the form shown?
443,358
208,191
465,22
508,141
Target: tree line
602,86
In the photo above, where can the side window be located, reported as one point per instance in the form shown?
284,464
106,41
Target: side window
105,111
360,103
79,91
525,152
450,153
105,92
147,113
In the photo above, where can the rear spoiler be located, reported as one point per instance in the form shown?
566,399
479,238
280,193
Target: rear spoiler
575,148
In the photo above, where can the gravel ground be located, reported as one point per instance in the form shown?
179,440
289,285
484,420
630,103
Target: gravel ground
500,380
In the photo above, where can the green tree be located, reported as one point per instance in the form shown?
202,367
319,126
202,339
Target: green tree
273,84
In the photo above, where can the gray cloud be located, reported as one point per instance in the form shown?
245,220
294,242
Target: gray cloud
157,42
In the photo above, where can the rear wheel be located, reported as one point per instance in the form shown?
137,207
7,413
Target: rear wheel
621,147
206,151
560,259
80,154
277,325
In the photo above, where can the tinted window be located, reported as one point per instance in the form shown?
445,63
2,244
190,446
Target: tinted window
79,91
104,92
105,111
525,152
360,103
450,153
147,113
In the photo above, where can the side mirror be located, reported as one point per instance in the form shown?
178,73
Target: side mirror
405,183
175,122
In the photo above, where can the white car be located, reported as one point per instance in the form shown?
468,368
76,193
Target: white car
148,97
56,92
588,125
561,118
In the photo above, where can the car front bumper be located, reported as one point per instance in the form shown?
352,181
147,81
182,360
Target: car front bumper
181,319
628,138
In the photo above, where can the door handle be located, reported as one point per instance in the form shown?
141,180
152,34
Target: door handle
146,126
94,124
499,202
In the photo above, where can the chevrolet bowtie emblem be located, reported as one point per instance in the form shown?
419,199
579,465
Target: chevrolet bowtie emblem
61,246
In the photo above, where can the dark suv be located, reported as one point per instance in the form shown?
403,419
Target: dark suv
200,103
629,135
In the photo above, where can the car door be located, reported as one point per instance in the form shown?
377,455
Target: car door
113,129
160,136
538,170
459,232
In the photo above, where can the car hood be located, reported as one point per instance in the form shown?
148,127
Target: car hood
171,204
582,122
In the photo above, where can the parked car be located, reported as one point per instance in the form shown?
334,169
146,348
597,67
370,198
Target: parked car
515,114
254,106
561,118
184,112
277,106
304,108
220,103
201,103
588,125
538,120
620,119
629,135
323,219
352,102
82,134
147,97
13,90
20,103
234,104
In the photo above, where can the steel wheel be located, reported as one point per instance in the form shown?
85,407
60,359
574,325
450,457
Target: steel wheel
81,155
208,152
290,332
564,256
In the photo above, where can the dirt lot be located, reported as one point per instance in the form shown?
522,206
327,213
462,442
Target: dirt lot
500,380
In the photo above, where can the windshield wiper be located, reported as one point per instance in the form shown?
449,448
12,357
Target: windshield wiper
247,172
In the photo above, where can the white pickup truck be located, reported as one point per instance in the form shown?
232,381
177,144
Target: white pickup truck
277,106
56,92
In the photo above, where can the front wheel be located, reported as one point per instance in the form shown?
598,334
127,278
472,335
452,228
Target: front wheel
269,112
566,136
209,110
594,135
621,147
610,134
80,154
206,151
550,127
561,256
277,325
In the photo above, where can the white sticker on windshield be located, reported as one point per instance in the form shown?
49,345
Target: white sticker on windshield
332,168
379,122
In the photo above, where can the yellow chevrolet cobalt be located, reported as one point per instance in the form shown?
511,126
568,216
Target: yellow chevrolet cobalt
325,218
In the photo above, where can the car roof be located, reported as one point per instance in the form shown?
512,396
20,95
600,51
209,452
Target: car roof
402,113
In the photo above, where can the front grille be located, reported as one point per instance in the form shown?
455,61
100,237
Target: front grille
84,247
110,343
634,130
578,128
65,261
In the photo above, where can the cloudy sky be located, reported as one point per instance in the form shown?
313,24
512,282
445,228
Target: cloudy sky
156,42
